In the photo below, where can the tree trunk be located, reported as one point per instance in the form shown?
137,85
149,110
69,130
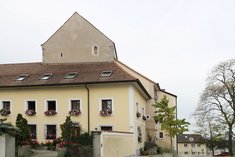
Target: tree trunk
172,149
213,151
230,140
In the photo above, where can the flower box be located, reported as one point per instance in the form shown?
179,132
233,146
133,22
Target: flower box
138,114
75,112
144,118
30,112
5,112
50,113
106,112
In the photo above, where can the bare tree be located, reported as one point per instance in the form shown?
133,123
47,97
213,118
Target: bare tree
212,131
218,97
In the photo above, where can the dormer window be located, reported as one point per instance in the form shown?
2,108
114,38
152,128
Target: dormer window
45,77
22,77
95,50
106,73
71,75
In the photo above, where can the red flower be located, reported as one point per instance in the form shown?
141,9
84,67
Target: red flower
106,112
50,113
30,112
75,112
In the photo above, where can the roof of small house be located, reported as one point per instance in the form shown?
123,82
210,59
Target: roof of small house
189,138
86,73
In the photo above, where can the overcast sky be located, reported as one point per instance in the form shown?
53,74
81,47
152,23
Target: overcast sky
173,42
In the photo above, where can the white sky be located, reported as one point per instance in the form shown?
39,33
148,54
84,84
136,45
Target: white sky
173,42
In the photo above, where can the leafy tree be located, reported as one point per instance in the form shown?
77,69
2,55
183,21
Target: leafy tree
167,116
7,128
67,129
24,133
218,97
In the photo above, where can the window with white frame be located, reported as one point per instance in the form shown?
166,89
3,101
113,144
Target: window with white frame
30,108
75,107
139,134
106,107
50,132
33,131
75,104
106,128
51,105
6,108
143,113
50,108
6,105
138,114
185,145
137,107
31,105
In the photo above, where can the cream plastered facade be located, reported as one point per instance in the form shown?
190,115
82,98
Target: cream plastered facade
192,149
165,140
152,129
75,41
123,118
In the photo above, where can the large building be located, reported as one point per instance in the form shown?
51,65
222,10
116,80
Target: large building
81,76
191,145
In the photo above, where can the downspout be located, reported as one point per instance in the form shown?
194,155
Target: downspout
88,108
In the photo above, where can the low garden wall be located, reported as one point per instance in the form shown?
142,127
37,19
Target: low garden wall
7,146
113,144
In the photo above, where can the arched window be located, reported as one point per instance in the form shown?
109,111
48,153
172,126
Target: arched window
95,50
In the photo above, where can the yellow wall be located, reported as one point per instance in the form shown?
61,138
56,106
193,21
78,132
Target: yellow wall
118,145
120,118
165,141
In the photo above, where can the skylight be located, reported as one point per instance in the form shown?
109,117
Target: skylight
71,75
22,77
106,73
45,77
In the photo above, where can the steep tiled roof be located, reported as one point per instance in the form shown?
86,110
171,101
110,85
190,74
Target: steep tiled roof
87,73
189,138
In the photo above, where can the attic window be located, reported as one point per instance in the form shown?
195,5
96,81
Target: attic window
106,73
71,75
45,77
191,139
22,77
95,50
